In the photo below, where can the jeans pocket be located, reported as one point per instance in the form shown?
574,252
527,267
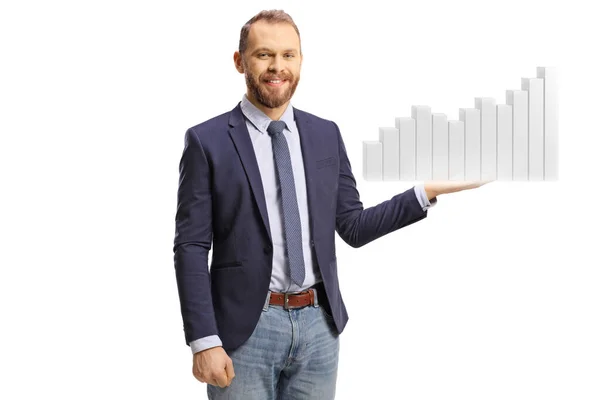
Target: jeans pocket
326,313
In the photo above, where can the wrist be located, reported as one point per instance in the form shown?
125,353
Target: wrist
430,192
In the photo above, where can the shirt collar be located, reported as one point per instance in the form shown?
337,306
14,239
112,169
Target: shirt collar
260,120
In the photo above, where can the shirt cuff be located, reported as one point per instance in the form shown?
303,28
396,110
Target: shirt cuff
205,343
422,197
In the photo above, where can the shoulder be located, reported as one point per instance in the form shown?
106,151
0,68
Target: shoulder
210,126
313,119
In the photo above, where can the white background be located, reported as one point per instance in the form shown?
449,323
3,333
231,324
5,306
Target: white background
494,296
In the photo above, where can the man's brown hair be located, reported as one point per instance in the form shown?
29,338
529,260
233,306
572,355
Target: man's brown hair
270,16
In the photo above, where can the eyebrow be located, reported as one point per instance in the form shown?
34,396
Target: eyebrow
272,51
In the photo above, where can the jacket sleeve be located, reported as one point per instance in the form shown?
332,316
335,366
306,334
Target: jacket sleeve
193,237
358,226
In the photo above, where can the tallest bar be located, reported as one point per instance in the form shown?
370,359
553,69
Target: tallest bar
550,122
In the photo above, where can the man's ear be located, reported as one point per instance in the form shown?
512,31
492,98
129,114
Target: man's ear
237,60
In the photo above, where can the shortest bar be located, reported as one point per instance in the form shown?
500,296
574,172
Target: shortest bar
372,160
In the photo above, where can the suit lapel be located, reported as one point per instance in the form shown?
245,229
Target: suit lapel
243,144
308,143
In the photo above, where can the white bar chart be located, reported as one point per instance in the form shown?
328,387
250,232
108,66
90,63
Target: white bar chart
516,141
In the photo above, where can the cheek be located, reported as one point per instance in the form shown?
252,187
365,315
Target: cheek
253,69
258,73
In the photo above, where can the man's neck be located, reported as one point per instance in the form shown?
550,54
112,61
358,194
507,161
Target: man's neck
273,113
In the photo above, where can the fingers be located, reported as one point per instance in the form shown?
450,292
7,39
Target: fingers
198,375
229,371
472,184
221,379
217,379
216,371
224,378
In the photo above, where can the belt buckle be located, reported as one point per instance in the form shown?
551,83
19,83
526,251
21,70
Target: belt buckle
286,300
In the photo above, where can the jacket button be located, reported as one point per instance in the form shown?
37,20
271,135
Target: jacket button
267,249
312,243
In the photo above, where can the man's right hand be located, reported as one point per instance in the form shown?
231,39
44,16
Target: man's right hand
213,366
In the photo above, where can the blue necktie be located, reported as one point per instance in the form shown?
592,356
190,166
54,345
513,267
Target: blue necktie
291,215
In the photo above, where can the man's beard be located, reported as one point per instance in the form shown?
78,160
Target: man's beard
265,96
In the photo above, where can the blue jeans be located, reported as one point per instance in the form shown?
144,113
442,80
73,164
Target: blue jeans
291,355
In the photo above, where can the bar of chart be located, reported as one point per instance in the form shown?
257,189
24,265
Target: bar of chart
515,141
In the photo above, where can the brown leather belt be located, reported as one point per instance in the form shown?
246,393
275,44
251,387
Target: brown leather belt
296,300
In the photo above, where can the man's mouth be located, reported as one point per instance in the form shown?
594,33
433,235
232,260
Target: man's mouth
275,82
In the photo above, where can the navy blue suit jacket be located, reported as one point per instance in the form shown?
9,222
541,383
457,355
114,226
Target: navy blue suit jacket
221,200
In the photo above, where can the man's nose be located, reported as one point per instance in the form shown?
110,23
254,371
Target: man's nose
276,64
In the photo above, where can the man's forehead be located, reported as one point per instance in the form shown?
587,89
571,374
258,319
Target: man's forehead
276,36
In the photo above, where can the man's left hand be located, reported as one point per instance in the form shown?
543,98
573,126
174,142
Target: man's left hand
434,189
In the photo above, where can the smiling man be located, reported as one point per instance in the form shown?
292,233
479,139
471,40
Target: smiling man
268,185
272,70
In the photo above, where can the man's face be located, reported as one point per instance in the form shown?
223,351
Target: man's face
271,63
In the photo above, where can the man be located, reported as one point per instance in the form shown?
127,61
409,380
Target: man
269,185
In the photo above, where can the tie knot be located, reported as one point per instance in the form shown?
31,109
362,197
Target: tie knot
275,128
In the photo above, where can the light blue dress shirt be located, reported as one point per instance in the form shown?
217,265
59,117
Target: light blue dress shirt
257,123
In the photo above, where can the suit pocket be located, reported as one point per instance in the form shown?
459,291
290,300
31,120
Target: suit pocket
227,265
327,162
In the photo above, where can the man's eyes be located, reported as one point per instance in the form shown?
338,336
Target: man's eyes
265,55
